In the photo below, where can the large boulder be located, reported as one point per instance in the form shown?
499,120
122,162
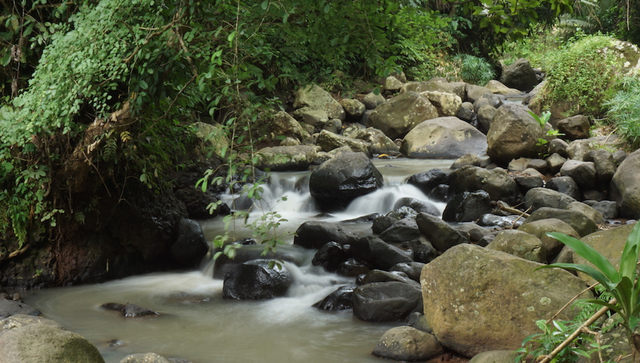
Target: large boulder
519,75
491,300
625,186
496,182
286,158
575,127
316,98
443,138
28,339
447,104
405,343
255,280
397,116
385,301
338,181
514,134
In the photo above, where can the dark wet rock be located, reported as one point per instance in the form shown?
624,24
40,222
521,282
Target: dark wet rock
526,183
341,299
485,113
405,343
35,339
465,112
473,231
440,193
582,172
541,197
403,230
352,268
467,206
443,138
519,75
420,206
575,127
577,220
11,307
411,269
372,100
428,180
315,234
190,246
399,115
496,182
135,311
382,223
386,276
419,321
423,252
386,301
402,212
330,256
565,185
256,280
625,188
376,253
196,201
338,181
369,218
441,235
514,134
293,254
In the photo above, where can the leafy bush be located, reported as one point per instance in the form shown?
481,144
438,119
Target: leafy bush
581,73
474,70
624,110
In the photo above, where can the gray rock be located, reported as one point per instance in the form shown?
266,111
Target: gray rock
312,117
443,138
316,98
372,100
403,230
605,165
437,85
495,356
485,113
496,182
354,108
378,142
405,343
328,141
588,211
10,307
399,115
341,299
286,158
475,92
500,89
411,269
338,181
285,124
36,340
625,186
387,276
420,206
514,134
470,160
582,172
540,229
330,256
145,358
580,222
385,301
575,127
520,244
519,75
491,299
608,209
559,146
555,162
565,185
447,104
541,197
428,180
293,254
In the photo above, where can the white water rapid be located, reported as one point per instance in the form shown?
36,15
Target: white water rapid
198,325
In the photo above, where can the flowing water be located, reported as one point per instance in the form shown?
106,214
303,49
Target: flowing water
197,324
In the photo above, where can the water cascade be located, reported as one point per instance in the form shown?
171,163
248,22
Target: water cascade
197,324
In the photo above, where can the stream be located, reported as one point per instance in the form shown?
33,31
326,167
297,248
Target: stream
197,324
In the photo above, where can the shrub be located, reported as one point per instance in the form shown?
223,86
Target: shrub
624,110
474,70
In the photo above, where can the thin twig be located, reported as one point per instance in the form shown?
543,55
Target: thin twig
571,301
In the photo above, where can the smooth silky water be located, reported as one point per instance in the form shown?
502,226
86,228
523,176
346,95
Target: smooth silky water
196,323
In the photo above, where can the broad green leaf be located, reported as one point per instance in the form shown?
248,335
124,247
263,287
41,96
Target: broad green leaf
591,255
594,273
629,257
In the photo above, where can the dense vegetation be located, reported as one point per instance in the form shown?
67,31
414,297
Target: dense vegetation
106,91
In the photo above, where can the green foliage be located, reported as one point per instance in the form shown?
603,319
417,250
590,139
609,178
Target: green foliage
622,283
624,110
474,70
538,47
583,73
